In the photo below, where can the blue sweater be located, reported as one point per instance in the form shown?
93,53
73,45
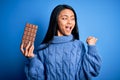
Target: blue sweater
63,59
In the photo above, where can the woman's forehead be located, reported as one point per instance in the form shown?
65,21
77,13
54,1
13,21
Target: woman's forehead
66,12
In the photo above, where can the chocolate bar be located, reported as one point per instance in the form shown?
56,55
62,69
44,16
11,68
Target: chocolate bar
29,34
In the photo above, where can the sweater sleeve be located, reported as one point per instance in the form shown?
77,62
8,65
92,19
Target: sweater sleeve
90,63
34,69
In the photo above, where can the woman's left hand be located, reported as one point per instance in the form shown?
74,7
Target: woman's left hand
91,40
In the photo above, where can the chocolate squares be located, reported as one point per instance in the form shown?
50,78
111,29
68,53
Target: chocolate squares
29,34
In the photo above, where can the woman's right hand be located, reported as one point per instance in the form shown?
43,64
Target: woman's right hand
28,51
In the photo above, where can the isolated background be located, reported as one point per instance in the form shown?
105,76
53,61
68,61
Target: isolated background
100,18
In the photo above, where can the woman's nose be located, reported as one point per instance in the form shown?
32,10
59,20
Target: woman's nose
69,21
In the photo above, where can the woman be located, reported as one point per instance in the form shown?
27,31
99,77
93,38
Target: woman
61,55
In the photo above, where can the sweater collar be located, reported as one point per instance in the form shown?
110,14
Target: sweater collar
62,39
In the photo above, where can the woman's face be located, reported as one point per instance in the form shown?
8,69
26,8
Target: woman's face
66,22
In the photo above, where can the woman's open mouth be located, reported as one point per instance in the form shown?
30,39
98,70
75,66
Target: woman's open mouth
68,28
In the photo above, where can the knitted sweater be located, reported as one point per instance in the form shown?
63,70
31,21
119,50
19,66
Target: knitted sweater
63,59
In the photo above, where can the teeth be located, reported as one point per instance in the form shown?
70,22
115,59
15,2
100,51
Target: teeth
68,28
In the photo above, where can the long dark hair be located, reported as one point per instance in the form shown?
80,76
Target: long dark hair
53,24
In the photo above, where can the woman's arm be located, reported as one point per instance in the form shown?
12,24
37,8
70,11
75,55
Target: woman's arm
90,62
34,68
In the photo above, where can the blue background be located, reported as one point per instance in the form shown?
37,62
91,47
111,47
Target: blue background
100,18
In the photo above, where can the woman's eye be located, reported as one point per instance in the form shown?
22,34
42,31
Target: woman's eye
73,19
64,18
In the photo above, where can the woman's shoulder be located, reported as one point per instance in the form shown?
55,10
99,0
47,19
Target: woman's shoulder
42,46
79,42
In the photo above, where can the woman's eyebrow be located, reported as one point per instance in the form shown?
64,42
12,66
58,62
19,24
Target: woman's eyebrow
64,15
67,16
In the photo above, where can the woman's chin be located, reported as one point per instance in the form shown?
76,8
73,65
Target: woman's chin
67,34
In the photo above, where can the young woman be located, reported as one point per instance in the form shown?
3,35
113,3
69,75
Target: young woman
61,55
